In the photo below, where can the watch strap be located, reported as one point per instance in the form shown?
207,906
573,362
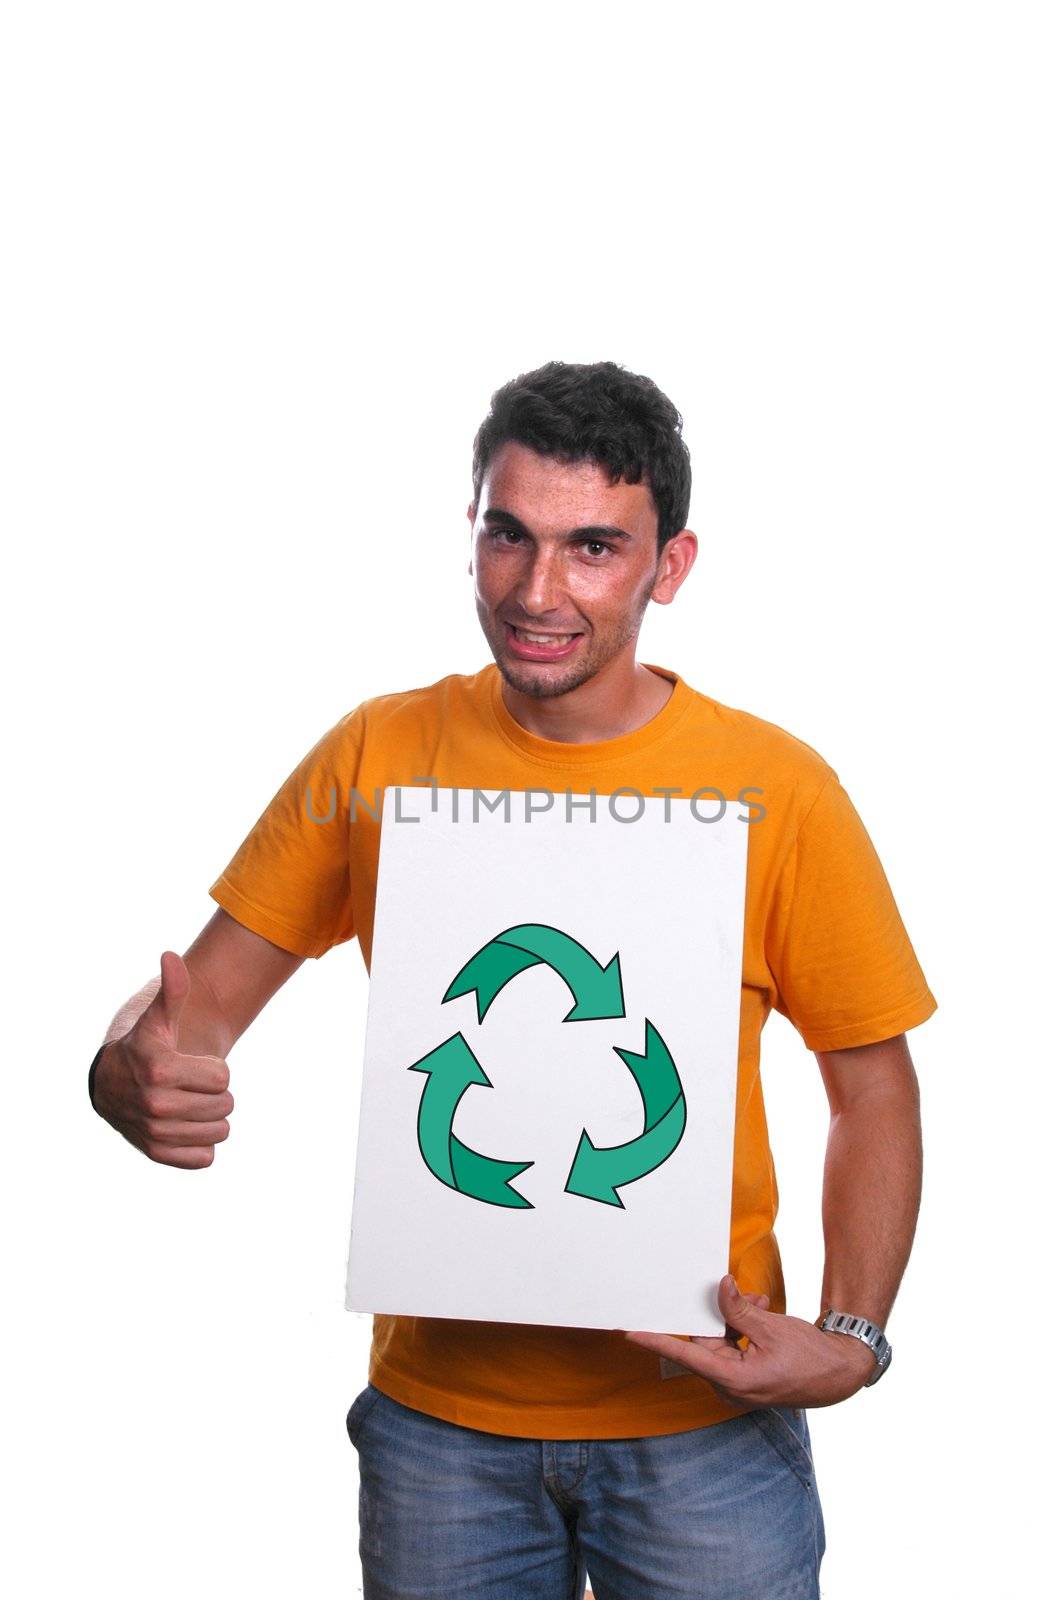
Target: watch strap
862,1328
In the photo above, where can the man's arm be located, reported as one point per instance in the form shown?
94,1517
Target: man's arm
162,1079
872,1175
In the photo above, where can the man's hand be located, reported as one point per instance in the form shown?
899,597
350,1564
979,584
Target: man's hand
172,1106
787,1361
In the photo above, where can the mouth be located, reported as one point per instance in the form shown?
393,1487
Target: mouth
533,645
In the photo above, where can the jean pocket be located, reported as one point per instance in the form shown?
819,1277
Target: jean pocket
785,1430
359,1410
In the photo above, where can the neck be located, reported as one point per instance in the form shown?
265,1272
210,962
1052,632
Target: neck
617,700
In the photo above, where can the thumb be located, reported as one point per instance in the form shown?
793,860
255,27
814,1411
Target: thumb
169,1002
738,1310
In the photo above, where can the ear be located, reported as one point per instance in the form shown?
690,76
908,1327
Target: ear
675,562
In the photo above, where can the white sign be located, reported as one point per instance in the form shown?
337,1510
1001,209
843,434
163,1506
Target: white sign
548,1102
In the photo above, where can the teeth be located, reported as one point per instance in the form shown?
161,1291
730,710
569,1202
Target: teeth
544,638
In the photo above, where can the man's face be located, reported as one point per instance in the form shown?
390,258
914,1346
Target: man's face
558,550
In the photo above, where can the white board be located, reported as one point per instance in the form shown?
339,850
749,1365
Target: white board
544,902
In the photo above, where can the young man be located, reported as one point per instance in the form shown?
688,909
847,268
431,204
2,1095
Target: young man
503,1459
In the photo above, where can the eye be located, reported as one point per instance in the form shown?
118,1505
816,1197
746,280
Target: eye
601,544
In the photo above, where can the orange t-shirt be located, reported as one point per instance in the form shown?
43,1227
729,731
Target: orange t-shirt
823,944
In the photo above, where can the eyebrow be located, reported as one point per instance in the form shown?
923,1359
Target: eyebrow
594,531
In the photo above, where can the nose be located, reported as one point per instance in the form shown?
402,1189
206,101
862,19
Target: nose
540,586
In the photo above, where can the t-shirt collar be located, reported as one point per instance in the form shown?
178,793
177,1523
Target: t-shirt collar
562,753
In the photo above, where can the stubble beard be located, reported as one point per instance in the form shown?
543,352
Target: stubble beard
545,685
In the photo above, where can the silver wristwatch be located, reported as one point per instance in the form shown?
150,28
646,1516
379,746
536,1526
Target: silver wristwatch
860,1328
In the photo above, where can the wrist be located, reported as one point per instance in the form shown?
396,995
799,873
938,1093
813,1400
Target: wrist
870,1348
857,1356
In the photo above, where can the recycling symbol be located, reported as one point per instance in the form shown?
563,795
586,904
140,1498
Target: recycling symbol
597,1172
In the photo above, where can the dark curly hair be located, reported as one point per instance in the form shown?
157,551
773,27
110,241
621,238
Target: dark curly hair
596,411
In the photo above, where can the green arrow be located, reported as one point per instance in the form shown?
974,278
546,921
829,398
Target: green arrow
487,972
487,1179
451,1069
596,990
655,1073
597,1173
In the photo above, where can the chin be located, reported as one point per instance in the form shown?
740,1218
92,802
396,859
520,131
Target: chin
540,686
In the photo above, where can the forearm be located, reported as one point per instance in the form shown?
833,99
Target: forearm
871,1198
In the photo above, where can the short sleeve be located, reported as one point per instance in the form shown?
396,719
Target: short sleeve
845,971
290,880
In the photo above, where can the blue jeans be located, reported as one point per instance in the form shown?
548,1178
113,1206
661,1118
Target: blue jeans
725,1512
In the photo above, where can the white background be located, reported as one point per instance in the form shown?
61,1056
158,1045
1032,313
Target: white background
264,265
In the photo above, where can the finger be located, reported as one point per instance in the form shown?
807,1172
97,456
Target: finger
179,1105
163,1016
698,1354
743,1315
173,1155
170,1071
732,1334
183,1134
174,988
697,1358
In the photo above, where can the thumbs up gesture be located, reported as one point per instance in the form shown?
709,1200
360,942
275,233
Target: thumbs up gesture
172,1104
